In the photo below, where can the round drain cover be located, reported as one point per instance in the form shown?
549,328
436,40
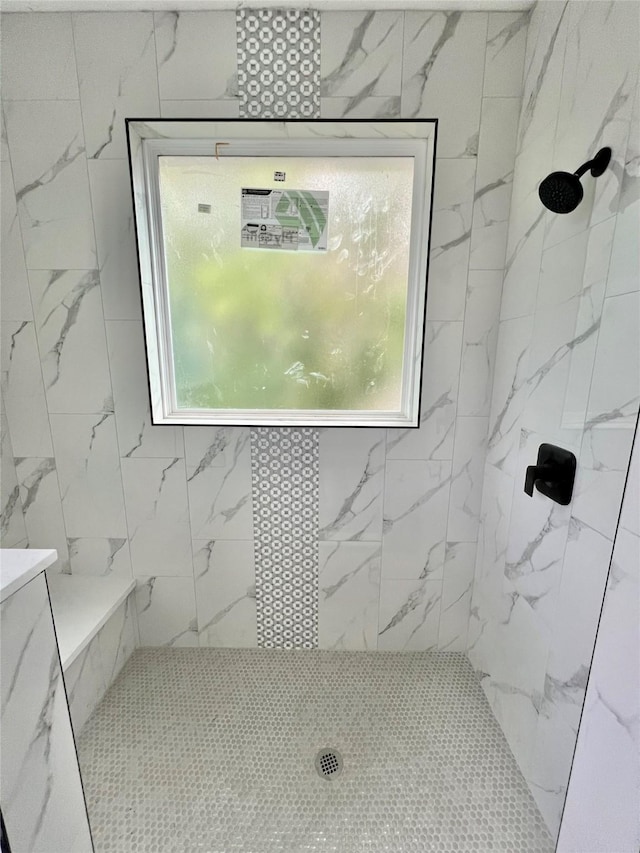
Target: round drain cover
329,763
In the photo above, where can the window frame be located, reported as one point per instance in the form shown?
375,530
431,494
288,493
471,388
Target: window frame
148,139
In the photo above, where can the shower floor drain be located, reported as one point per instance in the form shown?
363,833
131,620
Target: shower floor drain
329,763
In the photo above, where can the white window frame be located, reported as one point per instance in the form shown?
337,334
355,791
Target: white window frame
150,139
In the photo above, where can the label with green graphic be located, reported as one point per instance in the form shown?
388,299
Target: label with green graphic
293,220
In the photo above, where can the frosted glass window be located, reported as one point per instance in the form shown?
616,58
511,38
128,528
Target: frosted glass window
287,287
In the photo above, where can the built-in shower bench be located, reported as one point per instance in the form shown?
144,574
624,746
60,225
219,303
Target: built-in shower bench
96,631
82,605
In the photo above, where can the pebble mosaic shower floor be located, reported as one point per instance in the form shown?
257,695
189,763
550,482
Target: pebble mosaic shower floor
214,750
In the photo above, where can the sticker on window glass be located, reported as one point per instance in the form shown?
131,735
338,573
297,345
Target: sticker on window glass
293,220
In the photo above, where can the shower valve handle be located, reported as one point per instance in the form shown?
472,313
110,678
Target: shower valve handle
553,475
538,472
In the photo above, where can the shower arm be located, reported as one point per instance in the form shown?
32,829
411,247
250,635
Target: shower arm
585,167
597,165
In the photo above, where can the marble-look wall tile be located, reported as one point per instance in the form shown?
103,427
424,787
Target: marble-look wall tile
351,484
584,574
15,303
38,58
440,376
356,107
495,517
524,241
4,145
196,55
225,585
200,109
137,437
630,514
605,777
540,106
511,653
166,611
595,105
40,497
415,519
99,557
624,271
555,337
361,54
220,496
537,537
47,148
504,61
42,801
349,593
23,390
510,392
455,605
12,527
450,238
601,474
115,239
615,387
590,302
550,767
115,55
67,307
155,496
85,684
210,447
494,175
566,373
516,712
118,639
409,615
434,78
543,66
86,450
466,479
479,340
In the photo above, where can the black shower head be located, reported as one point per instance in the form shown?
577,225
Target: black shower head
561,192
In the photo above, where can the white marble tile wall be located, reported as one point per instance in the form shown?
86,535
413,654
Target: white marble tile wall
415,498
567,372
601,809
13,532
42,800
173,506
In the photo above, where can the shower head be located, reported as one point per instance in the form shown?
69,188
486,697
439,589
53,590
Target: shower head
561,192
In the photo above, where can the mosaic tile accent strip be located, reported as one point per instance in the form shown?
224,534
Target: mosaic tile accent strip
285,483
279,77
214,750
278,63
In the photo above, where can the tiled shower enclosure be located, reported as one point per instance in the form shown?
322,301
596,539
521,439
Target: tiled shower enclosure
404,540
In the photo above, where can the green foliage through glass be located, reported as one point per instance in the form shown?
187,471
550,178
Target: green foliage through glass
277,329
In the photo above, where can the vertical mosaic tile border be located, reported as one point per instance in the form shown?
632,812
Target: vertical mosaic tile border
278,63
279,77
284,472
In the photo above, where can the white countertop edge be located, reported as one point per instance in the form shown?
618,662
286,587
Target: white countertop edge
20,565
75,636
